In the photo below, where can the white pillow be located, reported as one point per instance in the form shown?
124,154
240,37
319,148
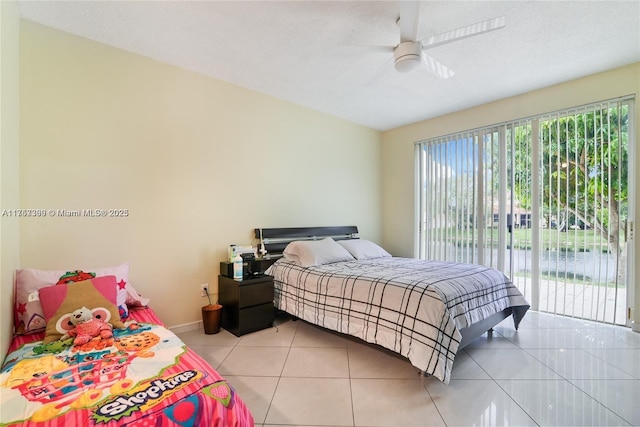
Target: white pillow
363,249
310,253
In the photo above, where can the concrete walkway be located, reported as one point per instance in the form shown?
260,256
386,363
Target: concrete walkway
585,301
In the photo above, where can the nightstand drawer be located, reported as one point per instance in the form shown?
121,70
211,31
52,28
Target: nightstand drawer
255,318
255,294
247,305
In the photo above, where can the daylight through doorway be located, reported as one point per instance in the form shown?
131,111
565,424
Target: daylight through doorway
545,200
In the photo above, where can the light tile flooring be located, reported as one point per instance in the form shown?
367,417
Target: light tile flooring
554,371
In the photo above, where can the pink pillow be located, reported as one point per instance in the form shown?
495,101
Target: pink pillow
60,301
28,314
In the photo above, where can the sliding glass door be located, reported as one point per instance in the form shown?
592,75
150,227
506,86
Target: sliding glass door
545,200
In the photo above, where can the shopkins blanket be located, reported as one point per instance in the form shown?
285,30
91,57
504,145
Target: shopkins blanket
142,377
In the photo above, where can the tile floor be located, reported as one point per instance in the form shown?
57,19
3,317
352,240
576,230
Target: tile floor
554,371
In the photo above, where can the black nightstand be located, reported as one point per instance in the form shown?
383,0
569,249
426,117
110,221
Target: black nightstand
247,305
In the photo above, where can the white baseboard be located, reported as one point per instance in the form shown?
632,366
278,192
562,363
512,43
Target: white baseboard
635,326
186,327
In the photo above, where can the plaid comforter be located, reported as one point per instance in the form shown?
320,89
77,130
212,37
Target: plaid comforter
413,307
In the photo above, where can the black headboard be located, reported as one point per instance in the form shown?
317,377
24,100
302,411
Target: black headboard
274,240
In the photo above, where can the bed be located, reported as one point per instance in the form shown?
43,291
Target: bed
143,375
424,310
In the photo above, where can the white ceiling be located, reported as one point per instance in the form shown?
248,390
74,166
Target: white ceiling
291,49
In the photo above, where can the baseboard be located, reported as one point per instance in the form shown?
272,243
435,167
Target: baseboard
635,326
186,327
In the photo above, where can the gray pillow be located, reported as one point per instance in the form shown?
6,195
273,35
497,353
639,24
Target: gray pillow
363,249
318,252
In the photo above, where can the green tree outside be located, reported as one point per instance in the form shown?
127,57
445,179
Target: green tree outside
584,169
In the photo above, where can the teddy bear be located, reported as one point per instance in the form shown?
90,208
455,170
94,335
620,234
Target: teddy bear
86,327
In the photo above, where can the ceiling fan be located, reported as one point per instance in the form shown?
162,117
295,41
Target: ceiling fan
410,53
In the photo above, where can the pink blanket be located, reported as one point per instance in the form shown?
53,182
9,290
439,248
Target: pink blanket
144,377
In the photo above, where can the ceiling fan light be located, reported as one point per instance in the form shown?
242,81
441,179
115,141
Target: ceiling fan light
407,56
407,63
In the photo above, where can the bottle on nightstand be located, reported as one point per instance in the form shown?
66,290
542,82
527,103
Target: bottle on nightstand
237,267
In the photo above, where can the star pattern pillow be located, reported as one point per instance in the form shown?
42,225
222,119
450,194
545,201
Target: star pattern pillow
28,314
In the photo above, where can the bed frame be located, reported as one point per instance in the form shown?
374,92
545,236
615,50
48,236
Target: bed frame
274,240
470,333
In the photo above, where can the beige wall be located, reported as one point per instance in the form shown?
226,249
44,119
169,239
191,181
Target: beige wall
197,162
398,144
9,143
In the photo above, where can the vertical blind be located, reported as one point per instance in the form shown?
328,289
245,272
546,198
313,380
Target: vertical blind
543,199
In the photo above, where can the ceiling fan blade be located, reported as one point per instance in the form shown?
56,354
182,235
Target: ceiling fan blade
409,13
464,32
378,73
361,49
436,67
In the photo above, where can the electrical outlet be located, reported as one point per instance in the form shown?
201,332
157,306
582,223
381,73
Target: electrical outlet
204,288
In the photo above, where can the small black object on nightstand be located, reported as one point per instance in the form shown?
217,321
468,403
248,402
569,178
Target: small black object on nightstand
247,304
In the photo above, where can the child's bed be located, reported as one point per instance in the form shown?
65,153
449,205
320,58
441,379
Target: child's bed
423,310
143,376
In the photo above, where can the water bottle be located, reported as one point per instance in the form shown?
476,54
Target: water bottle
237,267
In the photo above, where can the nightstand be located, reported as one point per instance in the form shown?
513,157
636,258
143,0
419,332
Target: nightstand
247,305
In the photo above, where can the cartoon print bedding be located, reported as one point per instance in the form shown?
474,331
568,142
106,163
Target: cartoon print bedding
143,377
